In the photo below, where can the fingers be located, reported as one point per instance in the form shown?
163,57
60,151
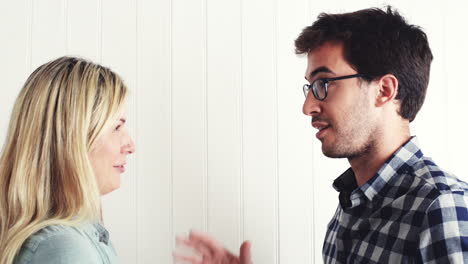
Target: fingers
211,251
204,239
206,245
202,249
178,258
245,255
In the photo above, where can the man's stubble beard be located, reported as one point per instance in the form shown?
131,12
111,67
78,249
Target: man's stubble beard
349,146
358,137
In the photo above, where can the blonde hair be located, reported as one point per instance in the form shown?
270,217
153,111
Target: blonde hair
46,176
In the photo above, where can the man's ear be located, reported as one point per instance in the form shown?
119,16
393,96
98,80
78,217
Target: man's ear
388,89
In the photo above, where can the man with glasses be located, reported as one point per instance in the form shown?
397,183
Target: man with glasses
367,76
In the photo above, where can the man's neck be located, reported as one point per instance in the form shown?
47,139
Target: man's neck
367,165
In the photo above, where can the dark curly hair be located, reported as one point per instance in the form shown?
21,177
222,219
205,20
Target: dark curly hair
377,42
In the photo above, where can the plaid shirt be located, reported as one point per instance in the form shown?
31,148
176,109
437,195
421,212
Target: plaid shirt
409,212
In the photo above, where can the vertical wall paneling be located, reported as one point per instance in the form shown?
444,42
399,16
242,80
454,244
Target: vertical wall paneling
30,22
259,128
136,102
240,121
454,83
276,207
294,139
119,52
154,131
204,34
65,6
435,104
48,44
83,35
136,125
99,28
189,115
15,33
223,86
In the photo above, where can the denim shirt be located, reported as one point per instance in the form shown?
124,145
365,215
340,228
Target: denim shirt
88,243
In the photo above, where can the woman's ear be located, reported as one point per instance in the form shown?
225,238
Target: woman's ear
388,89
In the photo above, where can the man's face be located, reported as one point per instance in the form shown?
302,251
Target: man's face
346,118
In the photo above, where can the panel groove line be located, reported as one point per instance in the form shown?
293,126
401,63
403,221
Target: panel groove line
171,116
241,128
30,34
451,154
277,242
259,129
444,75
67,26
99,31
205,114
138,192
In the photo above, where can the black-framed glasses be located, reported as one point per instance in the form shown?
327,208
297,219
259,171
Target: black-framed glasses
320,86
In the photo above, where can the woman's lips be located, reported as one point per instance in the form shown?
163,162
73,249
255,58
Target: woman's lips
120,168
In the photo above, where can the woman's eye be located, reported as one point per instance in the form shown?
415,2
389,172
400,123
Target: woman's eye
117,128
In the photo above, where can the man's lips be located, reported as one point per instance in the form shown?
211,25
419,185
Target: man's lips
320,125
322,128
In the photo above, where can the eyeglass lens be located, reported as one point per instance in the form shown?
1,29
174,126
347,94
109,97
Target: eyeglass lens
319,89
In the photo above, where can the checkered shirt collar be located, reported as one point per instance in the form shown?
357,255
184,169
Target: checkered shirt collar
400,161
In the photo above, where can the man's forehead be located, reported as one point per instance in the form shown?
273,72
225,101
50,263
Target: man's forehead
328,58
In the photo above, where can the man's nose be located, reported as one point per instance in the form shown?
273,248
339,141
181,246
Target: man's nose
311,105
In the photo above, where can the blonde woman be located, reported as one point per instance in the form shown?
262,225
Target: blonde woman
66,145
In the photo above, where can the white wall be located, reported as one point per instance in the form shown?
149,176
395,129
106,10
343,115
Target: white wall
222,145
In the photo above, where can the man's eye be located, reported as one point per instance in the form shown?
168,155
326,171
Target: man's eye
329,84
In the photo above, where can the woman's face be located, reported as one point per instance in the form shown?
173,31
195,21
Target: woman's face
108,157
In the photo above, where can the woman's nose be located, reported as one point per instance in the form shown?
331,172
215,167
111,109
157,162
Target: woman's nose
129,148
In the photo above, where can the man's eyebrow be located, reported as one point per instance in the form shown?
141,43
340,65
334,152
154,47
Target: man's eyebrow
318,70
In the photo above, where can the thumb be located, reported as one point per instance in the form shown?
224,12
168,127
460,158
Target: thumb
245,256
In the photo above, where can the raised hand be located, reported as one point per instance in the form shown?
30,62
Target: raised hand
209,251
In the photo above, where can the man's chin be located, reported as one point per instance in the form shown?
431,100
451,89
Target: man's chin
332,152
334,155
